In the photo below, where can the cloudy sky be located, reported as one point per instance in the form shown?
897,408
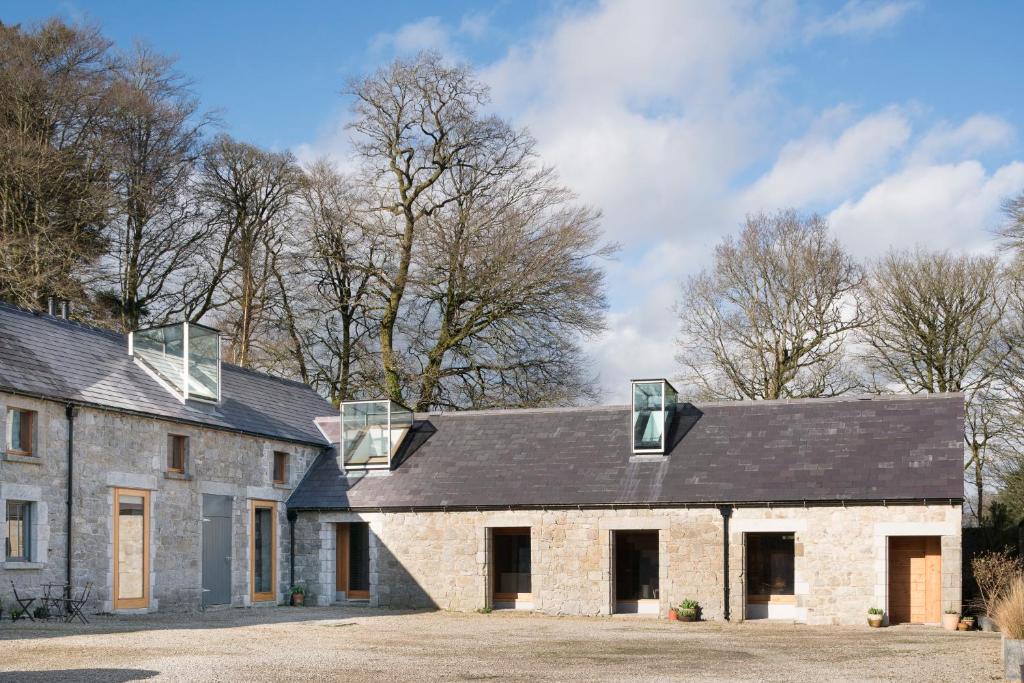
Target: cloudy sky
900,120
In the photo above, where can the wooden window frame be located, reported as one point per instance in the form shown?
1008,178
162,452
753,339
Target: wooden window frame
28,432
132,603
173,439
283,478
272,594
343,567
27,540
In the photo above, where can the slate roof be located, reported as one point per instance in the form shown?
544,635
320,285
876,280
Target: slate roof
817,450
45,356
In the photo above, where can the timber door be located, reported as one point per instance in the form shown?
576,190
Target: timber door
915,580
352,560
216,550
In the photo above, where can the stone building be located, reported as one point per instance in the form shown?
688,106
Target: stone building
180,466
805,510
191,480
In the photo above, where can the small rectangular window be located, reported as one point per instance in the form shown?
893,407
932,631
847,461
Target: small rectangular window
177,453
280,467
19,531
21,431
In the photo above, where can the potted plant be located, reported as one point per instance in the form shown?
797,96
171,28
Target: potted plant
298,596
969,621
1008,613
875,615
688,610
673,615
950,619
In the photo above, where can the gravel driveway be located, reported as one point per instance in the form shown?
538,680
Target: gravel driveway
365,644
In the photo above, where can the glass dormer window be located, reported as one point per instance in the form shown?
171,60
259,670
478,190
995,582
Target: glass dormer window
371,432
654,404
185,355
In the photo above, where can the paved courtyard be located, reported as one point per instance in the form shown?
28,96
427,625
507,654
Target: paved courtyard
363,644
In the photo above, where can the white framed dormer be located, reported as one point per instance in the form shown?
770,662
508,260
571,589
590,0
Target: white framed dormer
652,405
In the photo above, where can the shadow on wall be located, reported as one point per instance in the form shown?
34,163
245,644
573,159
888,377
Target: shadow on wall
399,589
105,675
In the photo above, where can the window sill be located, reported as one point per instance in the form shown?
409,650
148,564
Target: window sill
17,457
24,565
180,476
282,485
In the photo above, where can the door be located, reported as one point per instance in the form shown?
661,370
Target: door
263,551
636,571
352,560
131,549
216,549
915,579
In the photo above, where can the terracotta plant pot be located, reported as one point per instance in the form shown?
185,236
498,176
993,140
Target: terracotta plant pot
298,599
962,626
672,616
950,621
875,621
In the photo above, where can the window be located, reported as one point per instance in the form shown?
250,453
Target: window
263,550
280,467
21,431
511,553
636,568
19,531
770,567
177,453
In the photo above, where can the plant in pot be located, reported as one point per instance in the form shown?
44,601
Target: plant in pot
688,610
875,615
968,622
298,596
1008,613
950,619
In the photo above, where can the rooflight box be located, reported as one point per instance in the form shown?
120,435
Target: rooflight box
371,432
654,404
184,355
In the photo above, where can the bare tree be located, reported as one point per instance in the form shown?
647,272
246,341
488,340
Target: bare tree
770,317
935,324
247,193
415,120
54,179
155,141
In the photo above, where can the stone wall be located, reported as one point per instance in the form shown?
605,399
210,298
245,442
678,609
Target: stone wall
440,559
114,450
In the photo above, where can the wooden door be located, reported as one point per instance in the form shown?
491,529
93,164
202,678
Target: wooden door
915,580
352,561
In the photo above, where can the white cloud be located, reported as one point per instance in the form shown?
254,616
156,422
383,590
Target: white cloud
429,33
822,167
978,134
940,206
860,18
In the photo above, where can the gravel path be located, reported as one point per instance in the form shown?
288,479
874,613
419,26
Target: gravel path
321,644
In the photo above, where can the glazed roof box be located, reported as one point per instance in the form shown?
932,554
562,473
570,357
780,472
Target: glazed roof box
368,433
652,414
184,357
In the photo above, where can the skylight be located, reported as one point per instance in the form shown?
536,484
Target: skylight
186,356
654,403
368,433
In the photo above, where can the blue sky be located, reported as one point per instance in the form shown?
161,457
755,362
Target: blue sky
900,120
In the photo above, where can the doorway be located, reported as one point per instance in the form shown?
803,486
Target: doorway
770,576
510,573
636,586
131,549
915,579
216,549
352,560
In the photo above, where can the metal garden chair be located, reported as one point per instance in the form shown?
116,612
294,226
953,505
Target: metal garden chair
25,603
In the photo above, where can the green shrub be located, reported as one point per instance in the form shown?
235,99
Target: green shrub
876,610
689,605
16,614
298,590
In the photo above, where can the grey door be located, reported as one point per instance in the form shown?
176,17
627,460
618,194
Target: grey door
216,549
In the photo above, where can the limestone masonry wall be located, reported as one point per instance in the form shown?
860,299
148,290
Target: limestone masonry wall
441,559
114,450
